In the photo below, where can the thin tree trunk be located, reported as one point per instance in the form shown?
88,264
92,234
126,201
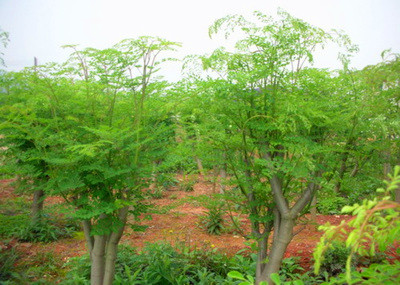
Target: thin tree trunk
261,256
355,169
37,206
397,194
342,171
153,183
112,248
222,180
87,228
278,249
313,209
97,258
199,165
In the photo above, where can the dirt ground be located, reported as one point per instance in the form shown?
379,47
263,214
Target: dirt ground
182,224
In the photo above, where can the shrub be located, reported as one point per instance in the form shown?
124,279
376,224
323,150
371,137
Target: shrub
331,205
157,192
166,180
45,230
187,185
8,256
335,259
10,224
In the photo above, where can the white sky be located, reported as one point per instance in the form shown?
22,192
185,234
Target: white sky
40,27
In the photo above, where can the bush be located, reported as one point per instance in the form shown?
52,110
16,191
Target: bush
10,224
45,230
384,273
331,205
166,180
335,258
187,185
8,256
42,231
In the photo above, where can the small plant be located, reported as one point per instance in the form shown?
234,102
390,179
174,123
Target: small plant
157,192
246,280
42,231
213,221
290,269
173,196
187,185
384,273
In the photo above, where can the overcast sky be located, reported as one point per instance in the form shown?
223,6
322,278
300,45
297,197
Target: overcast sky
40,27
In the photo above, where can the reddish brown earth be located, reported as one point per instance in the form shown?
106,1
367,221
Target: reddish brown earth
180,225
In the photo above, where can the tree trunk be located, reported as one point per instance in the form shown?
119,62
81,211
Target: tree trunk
397,194
313,209
97,258
153,181
199,165
103,251
37,206
278,249
342,171
261,256
112,248
222,179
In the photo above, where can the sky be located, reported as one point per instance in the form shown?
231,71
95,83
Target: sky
38,28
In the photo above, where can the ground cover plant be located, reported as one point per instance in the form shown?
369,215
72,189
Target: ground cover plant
251,140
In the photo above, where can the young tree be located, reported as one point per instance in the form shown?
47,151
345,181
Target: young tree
109,141
91,130
277,121
29,121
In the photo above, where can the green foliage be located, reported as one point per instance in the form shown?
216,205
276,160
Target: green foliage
45,229
383,273
166,180
161,263
187,184
157,192
376,225
330,205
38,268
335,259
213,221
290,269
8,257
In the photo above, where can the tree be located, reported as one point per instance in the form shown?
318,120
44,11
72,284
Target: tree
4,39
29,121
98,123
277,121
110,140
